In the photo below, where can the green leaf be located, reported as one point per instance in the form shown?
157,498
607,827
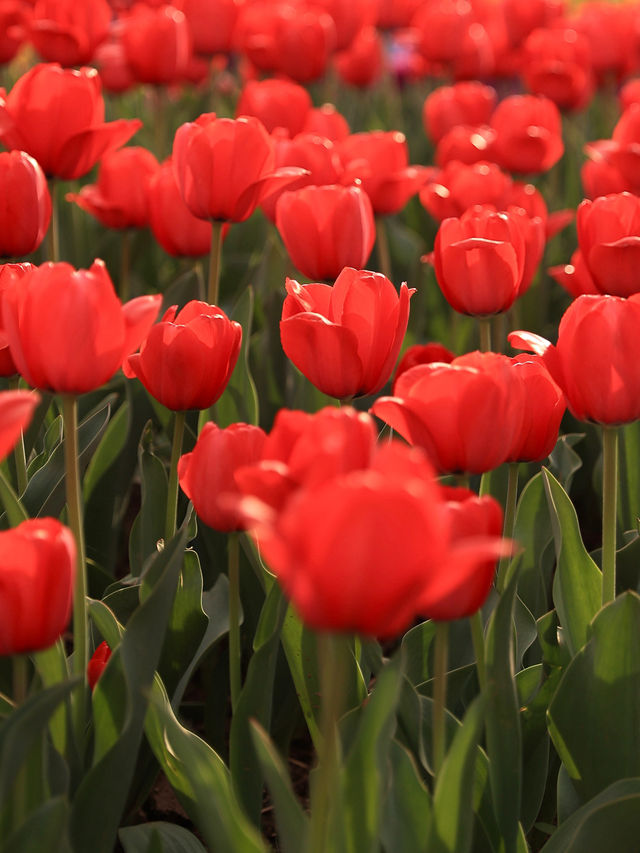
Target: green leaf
148,527
406,816
291,820
504,739
51,665
594,717
610,821
110,447
45,826
577,586
452,823
533,534
628,475
45,495
239,402
15,511
564,461
201,781
120,701
171,838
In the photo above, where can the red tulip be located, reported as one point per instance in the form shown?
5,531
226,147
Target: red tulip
178,231
574,277
349,16
69,32
157,43
37,569
304,43
277,103
187,358
9,274
97,663
379,162
327,121
455,188
207,473
421,354
523,16
363,62
596,361
325,229
528,134
557,64
57,116
544,405
120,197
466,103
479,261
609,239
16,411
25,204
345,338
14,27
92,332
211,23
226,167
467,144
465,414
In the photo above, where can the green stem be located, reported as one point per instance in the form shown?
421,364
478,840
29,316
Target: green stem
53,239
609,511
477,634
509,522
382,242
19,453
74,512
170,524
20,678
440,694
235,678
20,785
125,266
215,257
484,325
324,783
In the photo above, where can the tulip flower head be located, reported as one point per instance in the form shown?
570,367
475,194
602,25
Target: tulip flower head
25,204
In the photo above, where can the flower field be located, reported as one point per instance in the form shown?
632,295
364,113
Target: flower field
319,441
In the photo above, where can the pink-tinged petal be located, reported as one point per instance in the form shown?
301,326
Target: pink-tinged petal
338,372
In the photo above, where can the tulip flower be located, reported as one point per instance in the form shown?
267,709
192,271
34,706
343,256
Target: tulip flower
363,62
57,116
325,229
480,260
345,338
528,134
186,360
69,32
9,274
92,333
455,188
120,197
609,240
465,414
422,354
25,204
277,103
178,231
97,663
557,64
468,102
544,405
37,567
327,121
157,43
16,411
211,24
14,28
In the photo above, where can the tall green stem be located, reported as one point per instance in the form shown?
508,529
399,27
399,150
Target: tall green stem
215,257
609,511
509,522
235,658
382,243
324,783
484,325
170,524
440,694
477,634
74,511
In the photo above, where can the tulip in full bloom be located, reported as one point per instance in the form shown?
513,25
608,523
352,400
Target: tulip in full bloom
325,229
345,338
120,197
187,358
25,204
225,167
37,569
206,474
92,332
596,360
57,116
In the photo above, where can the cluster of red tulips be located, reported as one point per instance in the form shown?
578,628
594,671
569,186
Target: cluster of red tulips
329,472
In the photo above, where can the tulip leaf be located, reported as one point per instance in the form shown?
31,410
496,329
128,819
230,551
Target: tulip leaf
120,701
15,511
239,402
45,494
504,737
533,533
577,586
110,447
51,665
452,822
170,838
291,820
601,743
255,703
148,527
44,824
406,816
564,461
628,475
200,780
609,821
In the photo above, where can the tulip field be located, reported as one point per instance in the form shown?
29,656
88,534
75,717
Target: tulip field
319,426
